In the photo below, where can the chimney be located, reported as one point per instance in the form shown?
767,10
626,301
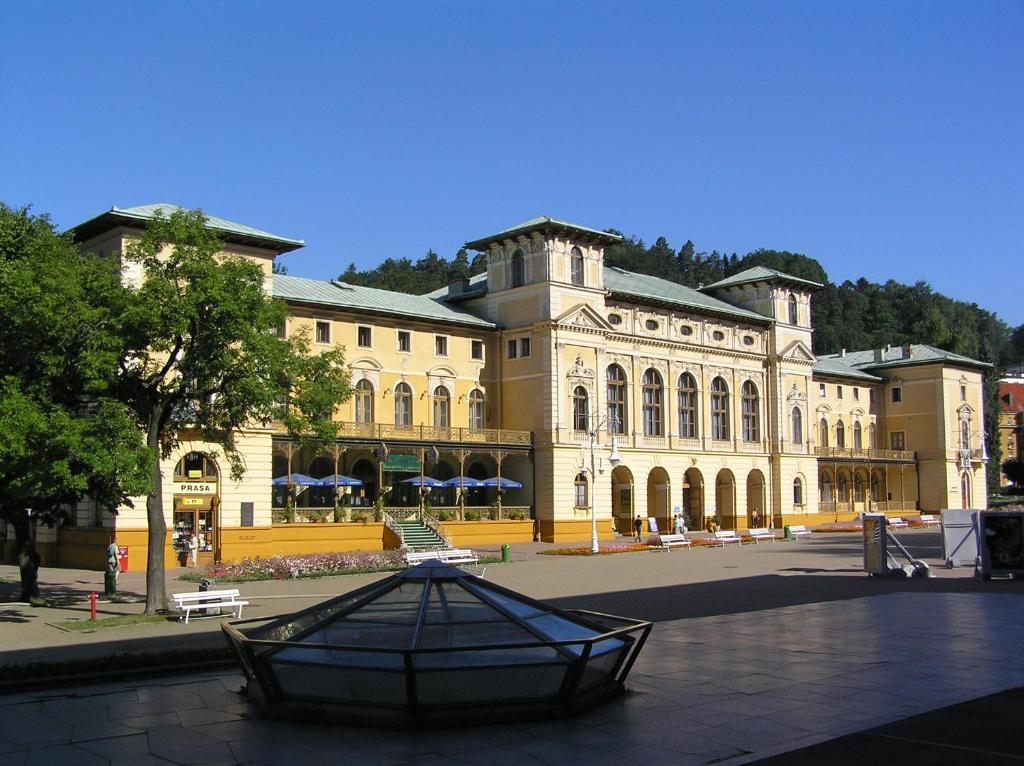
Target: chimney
879,353
907,351
842,352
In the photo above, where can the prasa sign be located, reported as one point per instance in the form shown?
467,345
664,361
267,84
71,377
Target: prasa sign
195,487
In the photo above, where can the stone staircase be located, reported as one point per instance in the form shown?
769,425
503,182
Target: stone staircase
419,537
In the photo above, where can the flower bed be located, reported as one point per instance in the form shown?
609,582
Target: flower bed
292,567
603,550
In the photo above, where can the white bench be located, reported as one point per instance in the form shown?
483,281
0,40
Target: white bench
798,530
897,523
929,520
205,600
726,536
757,534
448,556
668,542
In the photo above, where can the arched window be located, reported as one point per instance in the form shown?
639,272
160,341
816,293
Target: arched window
364,401
577,266
687,406
403,405
872,443
195,465
797,426
652,403
823,433
858,437
719,410
858,488
442,402
476,410
580,409
580,500
751,423
794,314
875,488
616,400
840,435
841,488
965,434
518,269
798,491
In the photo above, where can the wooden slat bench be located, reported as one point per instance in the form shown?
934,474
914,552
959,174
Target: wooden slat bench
668,542
206,600
798,530
757,534
724,536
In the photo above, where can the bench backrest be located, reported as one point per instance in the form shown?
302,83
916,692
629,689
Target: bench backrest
206,594
759,532
928,517
725,535
671,538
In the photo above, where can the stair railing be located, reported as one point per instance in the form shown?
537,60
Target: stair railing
437,528
391,523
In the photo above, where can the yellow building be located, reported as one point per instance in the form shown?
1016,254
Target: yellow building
1011,420
712,399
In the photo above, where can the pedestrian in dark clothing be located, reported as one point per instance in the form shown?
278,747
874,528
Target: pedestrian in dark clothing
638,527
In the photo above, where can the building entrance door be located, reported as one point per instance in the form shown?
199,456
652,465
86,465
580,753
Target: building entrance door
195,516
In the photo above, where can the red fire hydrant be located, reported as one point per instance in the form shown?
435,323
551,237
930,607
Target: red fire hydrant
92,606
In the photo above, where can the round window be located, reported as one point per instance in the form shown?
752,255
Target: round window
718,335
650,324
685,330
748,340
614,319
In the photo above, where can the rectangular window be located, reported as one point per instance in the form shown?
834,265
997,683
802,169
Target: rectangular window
581,494
856,394
513,349
839,392
363,337
897,395
476,349
898,440
404,341
871,395
441,345
323,332
524,347
821,390
963,393
282,330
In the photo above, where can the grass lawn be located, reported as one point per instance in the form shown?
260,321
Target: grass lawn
118,621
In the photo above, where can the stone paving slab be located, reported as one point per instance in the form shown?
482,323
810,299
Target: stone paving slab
686,703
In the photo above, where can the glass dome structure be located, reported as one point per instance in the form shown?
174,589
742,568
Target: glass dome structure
433,645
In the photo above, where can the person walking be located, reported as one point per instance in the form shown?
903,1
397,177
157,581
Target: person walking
638,527
193,547
680,526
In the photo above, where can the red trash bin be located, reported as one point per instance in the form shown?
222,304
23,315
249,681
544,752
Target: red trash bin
122,557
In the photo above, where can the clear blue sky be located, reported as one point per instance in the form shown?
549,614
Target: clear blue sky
882,138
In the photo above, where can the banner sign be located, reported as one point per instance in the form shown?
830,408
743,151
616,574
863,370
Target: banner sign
402,464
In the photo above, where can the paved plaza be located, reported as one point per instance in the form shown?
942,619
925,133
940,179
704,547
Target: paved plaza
756,652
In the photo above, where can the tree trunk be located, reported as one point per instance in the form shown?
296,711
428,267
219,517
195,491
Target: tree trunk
28,559
156,587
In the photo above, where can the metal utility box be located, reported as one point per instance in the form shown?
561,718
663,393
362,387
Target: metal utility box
876,545
959,543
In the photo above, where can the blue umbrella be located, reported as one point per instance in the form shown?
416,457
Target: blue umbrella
296,478
423,481
343,481
468,482
502,483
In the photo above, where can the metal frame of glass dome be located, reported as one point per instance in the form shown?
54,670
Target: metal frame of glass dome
435,685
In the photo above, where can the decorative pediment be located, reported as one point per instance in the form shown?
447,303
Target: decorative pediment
580,371
797,351
796,396
583,317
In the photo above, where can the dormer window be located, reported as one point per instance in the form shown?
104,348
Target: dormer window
577,267
518,269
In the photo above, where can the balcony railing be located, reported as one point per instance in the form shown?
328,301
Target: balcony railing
865,454
390,432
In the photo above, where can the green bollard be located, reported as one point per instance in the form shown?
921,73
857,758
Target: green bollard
109,584
506,553
786,534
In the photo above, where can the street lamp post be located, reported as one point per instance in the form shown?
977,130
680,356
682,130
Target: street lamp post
613,460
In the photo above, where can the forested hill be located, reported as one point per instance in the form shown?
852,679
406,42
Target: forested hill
851,315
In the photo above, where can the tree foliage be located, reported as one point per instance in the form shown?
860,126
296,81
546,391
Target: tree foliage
203,358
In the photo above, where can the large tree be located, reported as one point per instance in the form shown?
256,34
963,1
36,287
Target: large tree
203,357
63,434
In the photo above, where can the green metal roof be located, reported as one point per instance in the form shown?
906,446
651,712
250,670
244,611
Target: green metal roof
829,365
233,232
643,287
369,299
761,274
894,356
546,223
